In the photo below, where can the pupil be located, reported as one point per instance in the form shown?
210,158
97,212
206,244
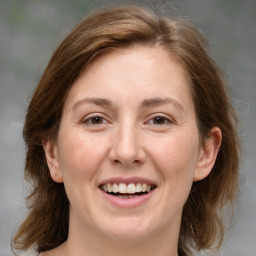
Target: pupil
97,120
159,120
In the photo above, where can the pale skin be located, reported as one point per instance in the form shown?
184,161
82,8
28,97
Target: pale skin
130,114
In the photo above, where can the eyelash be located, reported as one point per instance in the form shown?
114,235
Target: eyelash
162,118
90,119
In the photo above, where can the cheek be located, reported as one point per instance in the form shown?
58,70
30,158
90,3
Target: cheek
80,157
176,158
80,161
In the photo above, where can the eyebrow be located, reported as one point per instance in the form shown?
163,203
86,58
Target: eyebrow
161,101
96,101
151,102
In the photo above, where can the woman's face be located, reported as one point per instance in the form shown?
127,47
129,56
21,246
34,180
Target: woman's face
128,125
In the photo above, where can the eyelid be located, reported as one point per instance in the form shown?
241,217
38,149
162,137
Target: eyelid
87,118
94,115
168,118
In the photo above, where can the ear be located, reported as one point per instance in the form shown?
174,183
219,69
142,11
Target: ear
52,157
208,154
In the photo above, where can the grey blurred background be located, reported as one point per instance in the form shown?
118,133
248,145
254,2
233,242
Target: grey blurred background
30,31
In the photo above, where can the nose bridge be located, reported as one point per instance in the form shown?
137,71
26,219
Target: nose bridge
127,148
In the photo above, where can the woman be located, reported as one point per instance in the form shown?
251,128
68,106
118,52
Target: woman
131,141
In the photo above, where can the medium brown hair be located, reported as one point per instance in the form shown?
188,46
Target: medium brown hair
202,227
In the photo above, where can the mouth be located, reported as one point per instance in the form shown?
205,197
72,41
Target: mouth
127,191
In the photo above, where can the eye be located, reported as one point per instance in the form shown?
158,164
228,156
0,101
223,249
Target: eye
95,120
160,120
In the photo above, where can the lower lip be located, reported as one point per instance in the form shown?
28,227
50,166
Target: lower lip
127,202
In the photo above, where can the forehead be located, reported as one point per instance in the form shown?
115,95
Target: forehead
135,73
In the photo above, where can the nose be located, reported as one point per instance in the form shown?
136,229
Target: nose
126,148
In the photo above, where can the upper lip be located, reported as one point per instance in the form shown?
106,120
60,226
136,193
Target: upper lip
128,180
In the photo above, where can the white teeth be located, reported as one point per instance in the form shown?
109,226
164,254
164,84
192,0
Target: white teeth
115,188
109,187
138,187
131,189
122,188
144,187
127,188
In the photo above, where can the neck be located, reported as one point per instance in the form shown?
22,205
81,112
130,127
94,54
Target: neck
87,242
117,248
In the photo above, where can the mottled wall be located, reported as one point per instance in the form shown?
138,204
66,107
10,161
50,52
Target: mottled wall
29,32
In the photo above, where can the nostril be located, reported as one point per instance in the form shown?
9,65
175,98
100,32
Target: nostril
126,163
126,155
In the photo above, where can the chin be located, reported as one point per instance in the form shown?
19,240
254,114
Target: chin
129,229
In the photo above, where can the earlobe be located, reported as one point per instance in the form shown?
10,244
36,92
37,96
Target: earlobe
52,157
208,154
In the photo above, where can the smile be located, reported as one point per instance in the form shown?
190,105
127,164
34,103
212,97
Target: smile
127,191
